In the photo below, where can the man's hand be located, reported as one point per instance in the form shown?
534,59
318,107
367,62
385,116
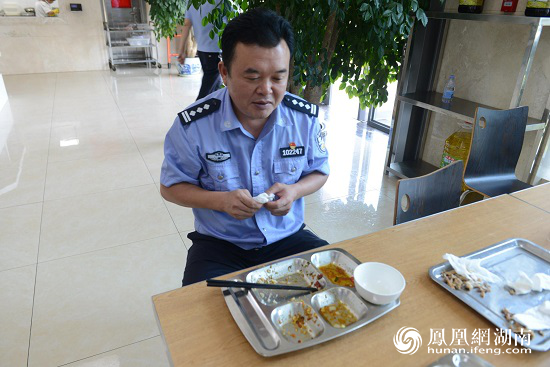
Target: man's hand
181,57
287,195
240,205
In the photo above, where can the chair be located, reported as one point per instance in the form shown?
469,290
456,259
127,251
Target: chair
497,139
430,194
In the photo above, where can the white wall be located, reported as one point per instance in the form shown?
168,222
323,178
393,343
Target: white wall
74,41
486,58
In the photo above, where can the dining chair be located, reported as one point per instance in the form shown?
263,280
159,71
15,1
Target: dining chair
497,139
430,194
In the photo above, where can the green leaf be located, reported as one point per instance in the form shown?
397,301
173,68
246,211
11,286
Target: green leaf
399,8
420,15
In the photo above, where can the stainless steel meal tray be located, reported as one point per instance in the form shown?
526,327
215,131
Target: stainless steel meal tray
263,315
505,259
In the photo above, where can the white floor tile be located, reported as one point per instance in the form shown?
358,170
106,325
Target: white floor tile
87,176
22,178
91,118
105,303
16,298
74,141
19,235
21,85
340,219
141,115
14,136
150,142
183,217
92,222
23,111
148,353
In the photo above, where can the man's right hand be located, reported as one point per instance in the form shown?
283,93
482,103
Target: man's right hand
181,58
240,205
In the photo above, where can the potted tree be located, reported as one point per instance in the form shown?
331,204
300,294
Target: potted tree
361,42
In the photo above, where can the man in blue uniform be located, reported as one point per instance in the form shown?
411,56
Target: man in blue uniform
248,139
208,50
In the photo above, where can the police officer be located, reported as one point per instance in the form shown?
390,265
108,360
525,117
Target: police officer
239,142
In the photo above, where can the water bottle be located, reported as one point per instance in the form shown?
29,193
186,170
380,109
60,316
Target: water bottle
449,90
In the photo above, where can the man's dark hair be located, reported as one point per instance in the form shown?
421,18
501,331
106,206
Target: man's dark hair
258,26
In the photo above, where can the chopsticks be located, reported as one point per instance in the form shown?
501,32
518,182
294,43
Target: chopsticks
246,285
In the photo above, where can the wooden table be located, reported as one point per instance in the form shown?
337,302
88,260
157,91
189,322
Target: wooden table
538,196
199,330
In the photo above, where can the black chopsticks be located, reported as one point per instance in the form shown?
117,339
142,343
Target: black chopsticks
230,283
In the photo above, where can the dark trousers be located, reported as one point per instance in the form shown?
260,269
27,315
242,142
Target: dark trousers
210,257
211,80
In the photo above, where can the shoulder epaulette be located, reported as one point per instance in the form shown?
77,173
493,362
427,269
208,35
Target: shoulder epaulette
301,105
199,110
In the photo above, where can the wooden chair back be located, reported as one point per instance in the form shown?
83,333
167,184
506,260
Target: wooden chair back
430,194
496,145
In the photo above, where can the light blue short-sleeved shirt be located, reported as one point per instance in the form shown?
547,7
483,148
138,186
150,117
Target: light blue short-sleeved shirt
204,42
216,153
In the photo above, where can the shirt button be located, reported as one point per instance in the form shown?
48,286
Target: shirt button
263,229
220,177
293,169
257,173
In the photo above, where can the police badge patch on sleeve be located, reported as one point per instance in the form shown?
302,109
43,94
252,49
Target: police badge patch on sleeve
218,156
320,138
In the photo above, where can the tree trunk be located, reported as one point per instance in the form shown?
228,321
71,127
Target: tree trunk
292,87
313,94
330,39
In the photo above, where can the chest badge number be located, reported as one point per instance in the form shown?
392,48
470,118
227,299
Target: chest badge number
218,156
292,151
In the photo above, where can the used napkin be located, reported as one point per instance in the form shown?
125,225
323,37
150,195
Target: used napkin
536,318
471,269
525,284
264,198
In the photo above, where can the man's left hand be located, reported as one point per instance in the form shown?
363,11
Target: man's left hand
287,195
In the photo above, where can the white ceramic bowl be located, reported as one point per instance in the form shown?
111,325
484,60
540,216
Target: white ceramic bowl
378,283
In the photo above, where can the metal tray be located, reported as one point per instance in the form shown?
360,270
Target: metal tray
264,315
505,259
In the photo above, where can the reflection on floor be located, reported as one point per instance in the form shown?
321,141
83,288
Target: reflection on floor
85,237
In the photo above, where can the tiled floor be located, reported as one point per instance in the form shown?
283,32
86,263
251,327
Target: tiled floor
85,237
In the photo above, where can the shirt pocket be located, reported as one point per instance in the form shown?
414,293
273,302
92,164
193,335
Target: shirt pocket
288,170
225,176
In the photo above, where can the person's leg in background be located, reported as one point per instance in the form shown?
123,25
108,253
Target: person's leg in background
211,79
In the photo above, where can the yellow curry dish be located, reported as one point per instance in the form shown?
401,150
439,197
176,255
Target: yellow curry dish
337,275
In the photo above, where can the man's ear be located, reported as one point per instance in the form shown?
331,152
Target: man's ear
223,72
